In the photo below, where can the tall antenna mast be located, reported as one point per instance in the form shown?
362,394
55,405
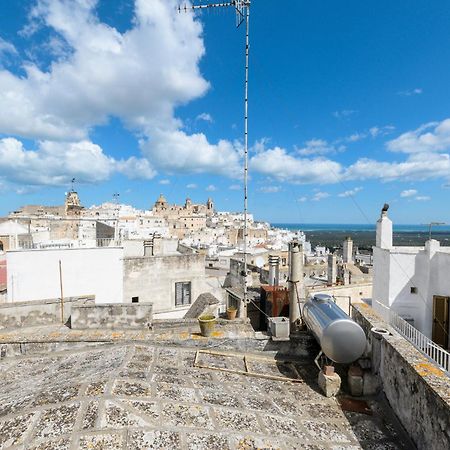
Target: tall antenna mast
242,8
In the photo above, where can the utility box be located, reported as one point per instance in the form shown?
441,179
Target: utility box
279,328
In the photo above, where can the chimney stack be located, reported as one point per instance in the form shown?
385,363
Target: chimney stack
384,230
347,250
296,284
332,269
274,270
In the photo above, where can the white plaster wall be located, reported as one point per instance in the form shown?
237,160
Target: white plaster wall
381,262
34,274
396,271
439,284
402,269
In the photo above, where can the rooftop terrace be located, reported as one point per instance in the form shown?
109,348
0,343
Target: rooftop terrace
143,396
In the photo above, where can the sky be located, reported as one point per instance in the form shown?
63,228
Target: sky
349,106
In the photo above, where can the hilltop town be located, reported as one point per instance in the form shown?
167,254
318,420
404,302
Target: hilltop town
193,243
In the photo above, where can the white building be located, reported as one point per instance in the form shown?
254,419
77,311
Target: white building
34,274
413,281
157,271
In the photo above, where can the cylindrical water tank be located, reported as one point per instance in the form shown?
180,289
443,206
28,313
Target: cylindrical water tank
341,339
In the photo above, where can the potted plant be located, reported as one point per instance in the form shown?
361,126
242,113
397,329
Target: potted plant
207,324
231,312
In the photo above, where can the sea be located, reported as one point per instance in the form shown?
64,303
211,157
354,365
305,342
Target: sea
363,235
358,227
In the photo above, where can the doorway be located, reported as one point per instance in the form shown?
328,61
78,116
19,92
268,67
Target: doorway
441,320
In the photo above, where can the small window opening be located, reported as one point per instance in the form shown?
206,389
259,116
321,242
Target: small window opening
413,290
134,299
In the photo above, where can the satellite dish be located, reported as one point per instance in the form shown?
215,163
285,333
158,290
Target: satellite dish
259,261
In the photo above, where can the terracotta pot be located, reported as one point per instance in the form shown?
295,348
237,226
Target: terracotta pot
207,324
231,313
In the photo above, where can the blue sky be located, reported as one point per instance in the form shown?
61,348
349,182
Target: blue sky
348,106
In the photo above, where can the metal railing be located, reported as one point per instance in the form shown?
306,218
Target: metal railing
436,353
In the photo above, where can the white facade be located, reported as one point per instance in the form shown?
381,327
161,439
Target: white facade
34,274
407,278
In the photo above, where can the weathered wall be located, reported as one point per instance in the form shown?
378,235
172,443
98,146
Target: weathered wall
153,279
45,312
34,274
112,316
417,390
2,269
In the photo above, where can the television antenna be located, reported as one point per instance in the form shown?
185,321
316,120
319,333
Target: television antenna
242,9
434,224
73,184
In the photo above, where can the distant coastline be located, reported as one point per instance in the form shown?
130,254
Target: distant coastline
358,227
332,235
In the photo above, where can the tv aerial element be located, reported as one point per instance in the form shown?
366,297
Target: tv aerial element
434,224
242,9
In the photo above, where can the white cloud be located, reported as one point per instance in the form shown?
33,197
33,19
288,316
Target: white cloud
205,117
235,187
408,193
318,147
431,137
175,152
418,167
320,196
372,132
355,137
54,163
192,186
303,199
7,47
416,91
350,192
423,198
277,163
344,113
269,189
165,181
139,76
136,168
211,188
381,131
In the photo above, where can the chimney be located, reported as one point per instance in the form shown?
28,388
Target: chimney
384,230
274,270
347,250
296,285
148,247
332,269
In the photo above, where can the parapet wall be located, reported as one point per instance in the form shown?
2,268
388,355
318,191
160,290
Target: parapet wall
121,316
417,389
38,312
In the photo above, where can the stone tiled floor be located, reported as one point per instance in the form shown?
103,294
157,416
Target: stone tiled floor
144,397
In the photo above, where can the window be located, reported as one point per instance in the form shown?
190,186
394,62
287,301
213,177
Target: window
183,293
134,299
413,290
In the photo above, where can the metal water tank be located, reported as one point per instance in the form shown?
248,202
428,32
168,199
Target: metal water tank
341,338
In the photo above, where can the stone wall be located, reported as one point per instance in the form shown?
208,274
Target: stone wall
112,316
34,313
417,390
152,279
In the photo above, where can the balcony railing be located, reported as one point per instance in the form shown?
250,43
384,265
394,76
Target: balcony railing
436,353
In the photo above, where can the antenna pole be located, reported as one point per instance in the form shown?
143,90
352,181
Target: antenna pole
247,48
242,8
